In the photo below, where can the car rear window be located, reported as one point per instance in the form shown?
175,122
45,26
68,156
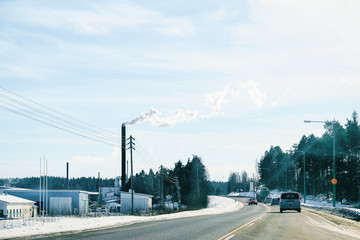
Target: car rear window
290,196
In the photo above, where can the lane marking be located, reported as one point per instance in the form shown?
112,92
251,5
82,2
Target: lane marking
234,231
229,237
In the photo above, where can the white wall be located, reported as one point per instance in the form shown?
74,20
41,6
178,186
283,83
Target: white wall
18,210
141,203
60,205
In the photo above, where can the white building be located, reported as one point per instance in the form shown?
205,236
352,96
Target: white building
55,202
15,207
110,195
142,202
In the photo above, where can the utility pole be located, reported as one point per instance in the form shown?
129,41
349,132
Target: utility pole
99,198
40,191
44,187
132,179
334,165
162,185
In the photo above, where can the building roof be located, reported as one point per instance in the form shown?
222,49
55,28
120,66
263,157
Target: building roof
42,190
12,199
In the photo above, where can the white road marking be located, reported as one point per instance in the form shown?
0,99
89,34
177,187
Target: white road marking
229,237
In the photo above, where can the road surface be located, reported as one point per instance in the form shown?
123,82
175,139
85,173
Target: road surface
252,222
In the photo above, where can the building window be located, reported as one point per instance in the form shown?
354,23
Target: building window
17,212
10,213
20,213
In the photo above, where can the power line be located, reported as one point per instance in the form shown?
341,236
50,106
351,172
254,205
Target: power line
96,133
57,126
51,120
53,110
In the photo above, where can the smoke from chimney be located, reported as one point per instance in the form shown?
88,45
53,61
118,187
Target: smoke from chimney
154,117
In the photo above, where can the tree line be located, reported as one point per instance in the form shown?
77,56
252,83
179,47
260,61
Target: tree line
192,178
284,170
238,183
190,181
90,184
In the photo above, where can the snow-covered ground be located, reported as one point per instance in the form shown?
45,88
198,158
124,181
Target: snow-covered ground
242,194
48,225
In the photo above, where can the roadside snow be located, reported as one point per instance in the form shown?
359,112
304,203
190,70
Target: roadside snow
48,225
242,194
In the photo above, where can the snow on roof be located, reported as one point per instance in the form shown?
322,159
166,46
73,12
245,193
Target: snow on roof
12,199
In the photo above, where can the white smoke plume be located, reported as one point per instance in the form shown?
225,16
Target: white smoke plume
154,117
145,116
219,98
255,94
216,101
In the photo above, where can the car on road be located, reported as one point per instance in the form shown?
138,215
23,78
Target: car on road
275,201
290,201
267,200
252,201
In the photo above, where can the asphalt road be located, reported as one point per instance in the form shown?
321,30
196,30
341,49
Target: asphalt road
203,227
308,224
252,222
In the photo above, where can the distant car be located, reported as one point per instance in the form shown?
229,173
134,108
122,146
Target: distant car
275,201
253,201
290,201
267,200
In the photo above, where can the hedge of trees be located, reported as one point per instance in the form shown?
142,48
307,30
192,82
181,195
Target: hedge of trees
285,169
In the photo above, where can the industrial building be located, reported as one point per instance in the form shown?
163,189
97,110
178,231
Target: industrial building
111,196
55,202
15,207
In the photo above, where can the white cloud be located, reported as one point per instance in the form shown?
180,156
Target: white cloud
87,159
177,27
220,14
274,104
99,19
255,94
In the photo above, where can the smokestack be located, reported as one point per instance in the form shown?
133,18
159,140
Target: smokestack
67,175
123,156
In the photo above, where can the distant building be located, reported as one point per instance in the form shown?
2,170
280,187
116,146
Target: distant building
15,207
110,196
56,202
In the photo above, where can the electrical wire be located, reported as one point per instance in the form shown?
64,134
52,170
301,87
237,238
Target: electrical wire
24,110
49,124
89,131
53,110
81,128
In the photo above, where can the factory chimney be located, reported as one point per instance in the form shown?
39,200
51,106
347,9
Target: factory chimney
67,175
123,156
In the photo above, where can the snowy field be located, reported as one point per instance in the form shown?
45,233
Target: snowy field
48,225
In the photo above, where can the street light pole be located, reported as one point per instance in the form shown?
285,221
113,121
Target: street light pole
334,162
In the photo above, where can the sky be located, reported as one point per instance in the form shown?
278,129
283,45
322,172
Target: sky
223,80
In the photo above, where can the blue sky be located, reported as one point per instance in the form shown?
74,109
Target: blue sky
224,80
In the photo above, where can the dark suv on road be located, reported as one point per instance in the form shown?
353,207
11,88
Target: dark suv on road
290,201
